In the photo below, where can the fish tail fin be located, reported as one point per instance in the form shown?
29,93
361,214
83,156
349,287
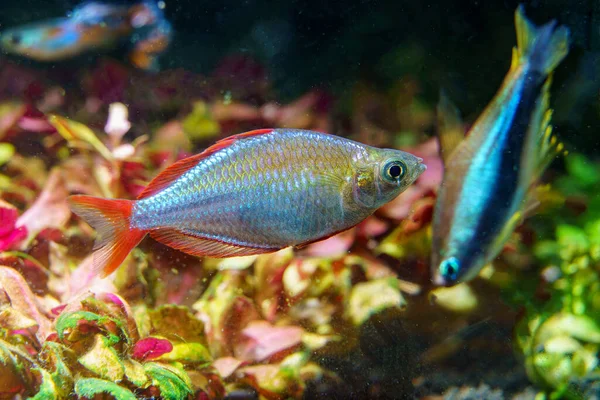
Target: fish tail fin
115,237
543,47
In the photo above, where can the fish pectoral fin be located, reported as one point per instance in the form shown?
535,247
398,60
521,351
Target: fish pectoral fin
449,126
507,230
204,247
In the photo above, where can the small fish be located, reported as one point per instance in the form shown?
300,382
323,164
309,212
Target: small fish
490,175
252,193
94,26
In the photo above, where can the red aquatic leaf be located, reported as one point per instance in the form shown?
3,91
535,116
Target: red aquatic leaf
107,82
260,341
34,120
133,178
16,81
241,75
150,348
10,235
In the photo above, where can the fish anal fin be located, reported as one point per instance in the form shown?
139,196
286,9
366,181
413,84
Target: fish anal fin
173,172
204,247
450,126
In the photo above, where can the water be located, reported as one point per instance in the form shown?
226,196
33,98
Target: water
355,316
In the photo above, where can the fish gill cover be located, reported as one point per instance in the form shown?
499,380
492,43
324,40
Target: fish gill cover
351,317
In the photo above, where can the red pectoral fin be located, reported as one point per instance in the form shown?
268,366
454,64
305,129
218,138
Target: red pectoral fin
202,246
173,172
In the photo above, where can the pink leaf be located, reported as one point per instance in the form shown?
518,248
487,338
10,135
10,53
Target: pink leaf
85,279
334,246
150,348
50,210
22,299
226,366
260,340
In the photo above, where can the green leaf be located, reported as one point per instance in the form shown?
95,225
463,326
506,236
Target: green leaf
369,298
582,169
134,371
103,360
7,150
176,323
47,388
173,382
10,113
53,356
199,124
189,353
90,387
74,131
69,321
572,240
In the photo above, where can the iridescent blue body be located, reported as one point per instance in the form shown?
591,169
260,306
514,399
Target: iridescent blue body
489,174
253,193
268,191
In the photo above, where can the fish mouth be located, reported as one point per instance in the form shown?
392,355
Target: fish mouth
439,281
420,167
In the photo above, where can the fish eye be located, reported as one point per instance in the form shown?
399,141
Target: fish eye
394,170
449,269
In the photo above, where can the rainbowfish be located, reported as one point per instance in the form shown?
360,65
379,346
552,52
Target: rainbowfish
93,26
490,175
252,193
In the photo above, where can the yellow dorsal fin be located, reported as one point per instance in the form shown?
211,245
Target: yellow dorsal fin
514,62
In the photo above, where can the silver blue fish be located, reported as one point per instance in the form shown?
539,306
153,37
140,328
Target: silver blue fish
489,175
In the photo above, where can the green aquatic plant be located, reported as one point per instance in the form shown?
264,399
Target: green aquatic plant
559,336
94,346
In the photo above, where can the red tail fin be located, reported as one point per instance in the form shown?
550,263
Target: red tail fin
115,239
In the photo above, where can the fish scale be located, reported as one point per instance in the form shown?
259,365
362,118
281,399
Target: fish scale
253,193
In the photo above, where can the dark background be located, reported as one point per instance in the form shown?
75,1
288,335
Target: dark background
462,46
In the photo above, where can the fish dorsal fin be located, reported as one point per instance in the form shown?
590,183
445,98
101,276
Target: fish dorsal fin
204,247
515,61
450,126
173,172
